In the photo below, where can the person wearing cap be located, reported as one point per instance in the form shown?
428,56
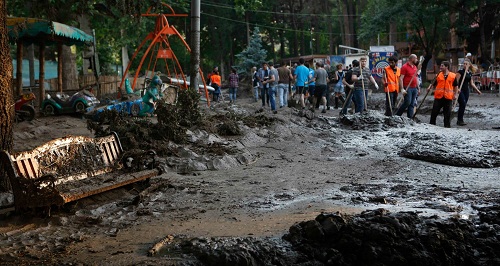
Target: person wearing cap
233,85
469,56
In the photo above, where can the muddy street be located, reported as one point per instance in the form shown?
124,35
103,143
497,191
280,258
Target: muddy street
291,189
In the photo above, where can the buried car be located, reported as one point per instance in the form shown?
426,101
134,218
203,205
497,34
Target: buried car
64,104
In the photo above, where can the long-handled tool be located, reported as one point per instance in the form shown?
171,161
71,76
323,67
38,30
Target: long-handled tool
390,101
460,88
388,95
419,67
348,99
363,86
423,100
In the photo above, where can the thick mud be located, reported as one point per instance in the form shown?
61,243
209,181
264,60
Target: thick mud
249,187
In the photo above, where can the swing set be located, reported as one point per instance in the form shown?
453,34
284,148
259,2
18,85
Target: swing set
159,48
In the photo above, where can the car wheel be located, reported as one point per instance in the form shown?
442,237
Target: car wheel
49,110
135,109
79,107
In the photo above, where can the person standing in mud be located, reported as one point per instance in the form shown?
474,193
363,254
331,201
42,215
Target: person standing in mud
339,86
390,79
300,75
273,83
409,80
446,91
233,85
285,76
349,86
465,78
255,84
215,81
263,75
362,77
321,80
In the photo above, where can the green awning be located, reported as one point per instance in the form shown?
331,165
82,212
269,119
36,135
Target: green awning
33,30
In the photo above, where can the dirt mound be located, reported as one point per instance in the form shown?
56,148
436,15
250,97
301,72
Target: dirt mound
453,150
374,121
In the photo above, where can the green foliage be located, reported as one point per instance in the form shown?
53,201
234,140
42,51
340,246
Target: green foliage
253,55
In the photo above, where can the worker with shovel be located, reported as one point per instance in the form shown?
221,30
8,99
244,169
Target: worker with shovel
409,80
465,80
390,79
446,91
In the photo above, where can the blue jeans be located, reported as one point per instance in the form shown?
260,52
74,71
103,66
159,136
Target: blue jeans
359,100
347,102
232,94
272,97
256,93
264,93
409,102
283,94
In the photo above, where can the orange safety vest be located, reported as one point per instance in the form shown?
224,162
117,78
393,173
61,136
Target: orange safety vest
444,88
215,79
392,79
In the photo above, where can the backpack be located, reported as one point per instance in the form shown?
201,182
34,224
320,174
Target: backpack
348,76
255,79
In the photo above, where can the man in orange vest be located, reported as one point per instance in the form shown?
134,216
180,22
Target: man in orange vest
390,79
446,91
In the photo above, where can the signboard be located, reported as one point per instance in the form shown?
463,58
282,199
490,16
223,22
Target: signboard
378,61
336,59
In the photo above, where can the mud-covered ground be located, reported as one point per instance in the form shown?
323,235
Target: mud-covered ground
298,191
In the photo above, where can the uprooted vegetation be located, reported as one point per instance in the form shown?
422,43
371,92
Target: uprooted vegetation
174,120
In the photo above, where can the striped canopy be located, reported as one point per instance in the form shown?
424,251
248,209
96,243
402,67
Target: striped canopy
34,30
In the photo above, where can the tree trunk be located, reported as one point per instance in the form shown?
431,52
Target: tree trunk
31,59
19,71
346,23
6,97
392,33
453,41
70,74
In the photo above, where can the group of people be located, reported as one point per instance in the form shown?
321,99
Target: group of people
449,88
215,80
273,81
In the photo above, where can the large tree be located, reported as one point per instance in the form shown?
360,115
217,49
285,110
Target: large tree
6,96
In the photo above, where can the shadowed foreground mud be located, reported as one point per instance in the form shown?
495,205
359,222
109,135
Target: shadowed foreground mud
375,237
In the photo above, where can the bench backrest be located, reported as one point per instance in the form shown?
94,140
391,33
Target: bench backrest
67,158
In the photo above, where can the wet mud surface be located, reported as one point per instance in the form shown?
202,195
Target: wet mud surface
254,188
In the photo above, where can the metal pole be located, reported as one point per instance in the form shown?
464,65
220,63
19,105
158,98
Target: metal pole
195,44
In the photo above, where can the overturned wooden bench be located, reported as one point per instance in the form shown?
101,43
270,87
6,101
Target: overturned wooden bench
68,169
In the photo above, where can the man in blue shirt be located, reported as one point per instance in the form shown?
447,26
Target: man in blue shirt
301,75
